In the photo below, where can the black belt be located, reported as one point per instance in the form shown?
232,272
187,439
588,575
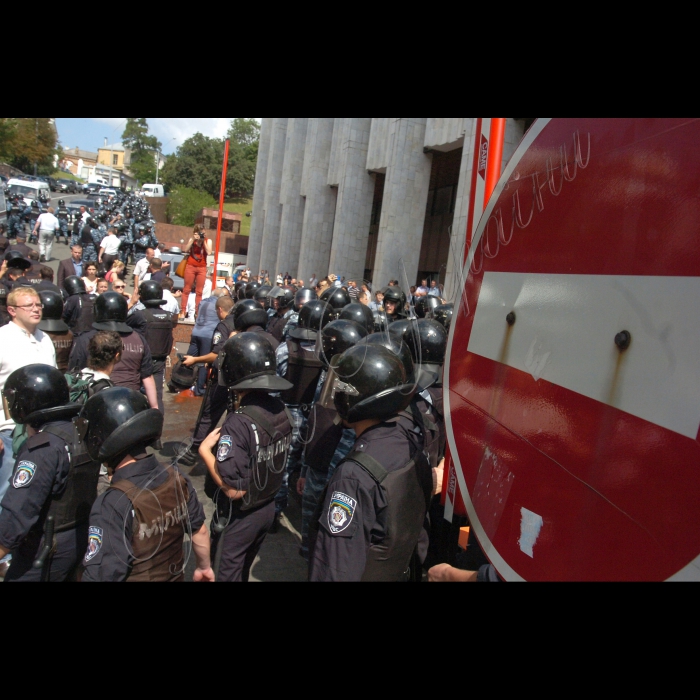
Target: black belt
159,359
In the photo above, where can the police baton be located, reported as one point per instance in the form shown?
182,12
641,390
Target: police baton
43,561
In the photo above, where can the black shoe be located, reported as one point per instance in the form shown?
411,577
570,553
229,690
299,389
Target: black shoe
189,458
158,445
275,524
42,258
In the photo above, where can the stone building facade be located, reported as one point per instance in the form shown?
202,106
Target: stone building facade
365,198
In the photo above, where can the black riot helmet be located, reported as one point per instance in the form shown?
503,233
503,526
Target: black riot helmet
51,315
247,313
247,361
312,317
396,296
262,295
111,311
74,285
425,305
16,260
36,394
427,341
239,290
338,336
337,297
117,422
359,313
251,288
302,296
151,294
370,383
443,315
61,202
398,347
283,295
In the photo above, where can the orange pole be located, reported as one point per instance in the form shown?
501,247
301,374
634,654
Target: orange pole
221,211
493,169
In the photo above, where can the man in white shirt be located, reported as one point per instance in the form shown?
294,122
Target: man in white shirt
422,291
172,302
21,343
434,290
141,267
47,225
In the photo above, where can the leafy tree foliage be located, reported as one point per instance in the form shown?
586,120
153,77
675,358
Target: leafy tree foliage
185,203
198,161
144,149
25,142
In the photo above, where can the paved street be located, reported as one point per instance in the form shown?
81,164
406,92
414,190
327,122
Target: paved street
278,559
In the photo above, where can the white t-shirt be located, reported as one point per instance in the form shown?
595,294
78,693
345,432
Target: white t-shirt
110,245
18,349
140,269
48,222
173,305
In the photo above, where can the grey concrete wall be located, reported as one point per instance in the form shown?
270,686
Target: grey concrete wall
445,133
403,207
379,144
355,196
290,197
319,210
335,165
273,213
258,219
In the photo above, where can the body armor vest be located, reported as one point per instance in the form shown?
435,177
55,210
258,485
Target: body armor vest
303,370
422,415
408,493
275,326
273,435
159,332
87,315
62,342
73,506
160,517
62,214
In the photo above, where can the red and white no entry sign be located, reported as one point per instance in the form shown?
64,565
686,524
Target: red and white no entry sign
573,378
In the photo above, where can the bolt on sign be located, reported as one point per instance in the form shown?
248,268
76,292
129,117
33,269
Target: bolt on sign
573,386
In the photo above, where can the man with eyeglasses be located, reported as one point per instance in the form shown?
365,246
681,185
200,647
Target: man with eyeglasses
21,343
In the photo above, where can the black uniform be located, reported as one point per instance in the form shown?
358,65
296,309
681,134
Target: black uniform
251,456
216,399
109,555
40,473
362,521
79,313
159,336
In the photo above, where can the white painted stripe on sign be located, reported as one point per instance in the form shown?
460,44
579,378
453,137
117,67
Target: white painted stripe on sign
565,330
530,526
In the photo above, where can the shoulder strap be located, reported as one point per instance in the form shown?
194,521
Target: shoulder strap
256,415
369,464
65,434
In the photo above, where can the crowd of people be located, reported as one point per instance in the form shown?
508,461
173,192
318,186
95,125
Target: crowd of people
325,388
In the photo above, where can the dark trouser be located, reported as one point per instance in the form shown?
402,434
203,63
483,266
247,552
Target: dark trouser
159,379
234,550
215,403
107,261
200,345
70,550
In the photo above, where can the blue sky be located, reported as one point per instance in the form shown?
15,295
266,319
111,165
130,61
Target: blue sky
89,133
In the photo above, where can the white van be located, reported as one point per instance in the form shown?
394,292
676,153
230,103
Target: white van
152,190
30,189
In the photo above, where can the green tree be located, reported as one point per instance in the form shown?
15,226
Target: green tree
144,149
185,203
244,137
195,165
29,142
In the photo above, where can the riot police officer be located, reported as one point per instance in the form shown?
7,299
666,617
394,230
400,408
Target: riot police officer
394,304
246,457
282,306
337,297
54,482
138,525
158,332
15,225
300,298
375,503
63,214
53,325
79,309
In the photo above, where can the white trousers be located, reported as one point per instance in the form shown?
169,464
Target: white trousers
46,243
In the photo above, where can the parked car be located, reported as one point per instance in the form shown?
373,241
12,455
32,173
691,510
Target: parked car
53,185
92,187
107,191
67,185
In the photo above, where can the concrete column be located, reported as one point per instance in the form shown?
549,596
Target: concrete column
257,223
354,207
403,208
319,211
273,207
290,197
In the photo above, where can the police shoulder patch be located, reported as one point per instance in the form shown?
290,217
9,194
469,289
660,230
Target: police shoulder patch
225,445
94,542
340,511
217,338
23,474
